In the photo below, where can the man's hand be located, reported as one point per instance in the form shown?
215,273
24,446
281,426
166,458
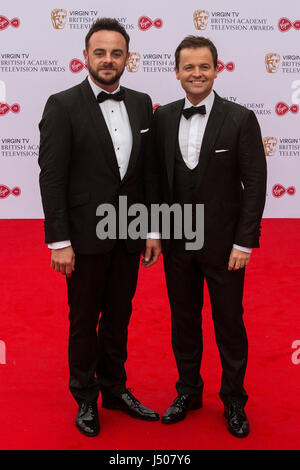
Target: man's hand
238,259
152,252
63,260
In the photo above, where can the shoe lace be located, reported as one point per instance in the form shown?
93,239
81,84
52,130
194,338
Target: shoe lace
89,408
236,413
134,400
179,400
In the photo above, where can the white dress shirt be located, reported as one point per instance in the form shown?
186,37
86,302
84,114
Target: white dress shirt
191,132
117,121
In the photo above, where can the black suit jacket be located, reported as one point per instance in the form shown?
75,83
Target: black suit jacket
231,183
79,169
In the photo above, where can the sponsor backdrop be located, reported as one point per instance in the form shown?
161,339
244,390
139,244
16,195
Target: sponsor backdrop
41,46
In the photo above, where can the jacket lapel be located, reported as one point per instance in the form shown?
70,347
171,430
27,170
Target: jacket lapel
171,138
132,112
213,127
102,133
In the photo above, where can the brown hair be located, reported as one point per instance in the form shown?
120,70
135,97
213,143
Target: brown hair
108,24
193,42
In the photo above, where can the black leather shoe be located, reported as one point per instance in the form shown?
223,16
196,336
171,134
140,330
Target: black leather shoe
128,403
238,424
87,421
180,406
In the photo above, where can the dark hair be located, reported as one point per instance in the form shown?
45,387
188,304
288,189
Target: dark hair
193,42
109,24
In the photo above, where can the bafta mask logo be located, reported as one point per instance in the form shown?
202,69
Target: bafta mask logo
58,17
201,19
133,61
270,144
272,61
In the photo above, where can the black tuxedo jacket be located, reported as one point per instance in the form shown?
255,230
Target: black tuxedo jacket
79,169
231,178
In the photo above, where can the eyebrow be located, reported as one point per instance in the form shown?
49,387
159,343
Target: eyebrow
98,49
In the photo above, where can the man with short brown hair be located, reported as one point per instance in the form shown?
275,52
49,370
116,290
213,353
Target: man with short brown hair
211,153
95,143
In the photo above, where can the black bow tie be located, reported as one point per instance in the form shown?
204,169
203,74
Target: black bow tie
188,112
110,96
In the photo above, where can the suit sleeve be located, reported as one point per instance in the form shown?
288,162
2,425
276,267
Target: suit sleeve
253,173
151,167
54,159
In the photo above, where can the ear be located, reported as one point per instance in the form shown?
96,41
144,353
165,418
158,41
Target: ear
85,55
127,58
177,73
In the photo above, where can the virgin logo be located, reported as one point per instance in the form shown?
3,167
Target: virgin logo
284,25
282,108
5,191
145,23
4,22
76,66
278,190
5,108
229,66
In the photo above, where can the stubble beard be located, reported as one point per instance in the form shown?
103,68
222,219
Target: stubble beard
104,81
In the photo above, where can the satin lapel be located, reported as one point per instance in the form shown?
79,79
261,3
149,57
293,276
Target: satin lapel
213,127
102,133
132,111
171,137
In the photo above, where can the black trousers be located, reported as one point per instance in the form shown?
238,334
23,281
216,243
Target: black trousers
185,273
106,284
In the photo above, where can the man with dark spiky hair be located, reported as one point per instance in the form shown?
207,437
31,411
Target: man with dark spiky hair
95,146
211,153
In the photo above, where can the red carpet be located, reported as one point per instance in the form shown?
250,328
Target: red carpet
36,408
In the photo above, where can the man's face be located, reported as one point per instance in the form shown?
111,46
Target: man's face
106,58
196,73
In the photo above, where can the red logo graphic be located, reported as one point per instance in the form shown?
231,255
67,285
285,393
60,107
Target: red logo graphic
5,191
4,22
282,108
229,66
278,190
284,25
155,106
76,66
5,108
145,23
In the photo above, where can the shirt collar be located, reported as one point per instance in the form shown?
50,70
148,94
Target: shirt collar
96,89
208,102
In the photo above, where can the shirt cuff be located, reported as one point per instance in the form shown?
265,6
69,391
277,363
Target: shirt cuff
155,235
243,248
59,245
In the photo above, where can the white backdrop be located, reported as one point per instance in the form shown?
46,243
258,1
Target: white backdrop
41,53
